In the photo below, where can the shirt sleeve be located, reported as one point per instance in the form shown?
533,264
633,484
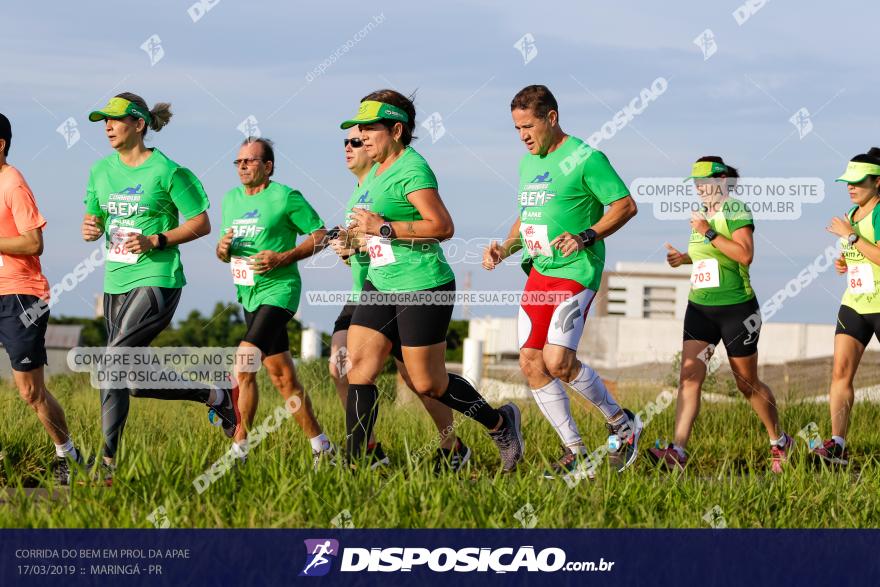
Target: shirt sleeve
187,193
420,177
303,217
91,199
738,216
875,221
601,179
24,209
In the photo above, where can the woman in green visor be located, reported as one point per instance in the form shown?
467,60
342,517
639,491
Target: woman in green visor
858,319
721,307
409,290
135,199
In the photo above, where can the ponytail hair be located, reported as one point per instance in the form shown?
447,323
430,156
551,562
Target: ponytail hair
160,113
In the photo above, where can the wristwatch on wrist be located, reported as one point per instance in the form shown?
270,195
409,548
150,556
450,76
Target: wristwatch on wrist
385,231
163,241
852,238
710,235
588,236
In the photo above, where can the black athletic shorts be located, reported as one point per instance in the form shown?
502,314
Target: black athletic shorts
343,321
859,326
738,325
267,329
23,321
407,324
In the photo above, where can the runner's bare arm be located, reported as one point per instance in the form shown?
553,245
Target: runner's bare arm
619,213
29,243
740,248
265,261
196,227
436,223
513,242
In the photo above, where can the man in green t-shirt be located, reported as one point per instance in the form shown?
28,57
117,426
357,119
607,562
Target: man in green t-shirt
261,221
565,186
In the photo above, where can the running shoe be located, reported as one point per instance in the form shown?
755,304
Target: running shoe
668,457
323,456
451,460
376,457
623,441
226,413
570,462
101,471
509,438
779,455
831,453
62,470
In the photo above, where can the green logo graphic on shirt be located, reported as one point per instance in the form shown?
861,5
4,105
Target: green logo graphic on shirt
247,227
537,192
125,203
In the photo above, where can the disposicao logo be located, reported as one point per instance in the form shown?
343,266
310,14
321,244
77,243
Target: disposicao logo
320,553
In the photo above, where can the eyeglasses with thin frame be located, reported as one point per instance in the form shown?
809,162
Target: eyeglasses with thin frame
355,143
247,162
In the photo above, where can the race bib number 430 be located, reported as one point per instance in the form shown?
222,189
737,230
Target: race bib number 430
242,272
705,274
860,278
535,239
380,250
118,236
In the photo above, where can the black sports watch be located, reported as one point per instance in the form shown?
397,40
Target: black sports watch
385,231
853,238
588,236
710,235
163,241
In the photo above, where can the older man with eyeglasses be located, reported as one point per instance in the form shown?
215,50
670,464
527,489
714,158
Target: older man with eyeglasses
261,222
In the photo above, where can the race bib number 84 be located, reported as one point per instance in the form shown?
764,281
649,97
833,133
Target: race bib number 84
860,278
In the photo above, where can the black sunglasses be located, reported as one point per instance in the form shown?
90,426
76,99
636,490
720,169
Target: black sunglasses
355,143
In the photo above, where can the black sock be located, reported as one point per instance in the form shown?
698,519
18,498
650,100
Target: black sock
361,409
462,397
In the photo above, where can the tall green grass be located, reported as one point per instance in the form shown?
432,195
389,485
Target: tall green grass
168,444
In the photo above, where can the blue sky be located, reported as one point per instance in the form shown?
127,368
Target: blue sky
254,59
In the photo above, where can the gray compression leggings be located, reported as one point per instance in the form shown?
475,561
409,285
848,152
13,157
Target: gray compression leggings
133,319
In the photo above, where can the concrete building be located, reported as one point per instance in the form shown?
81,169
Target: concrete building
643,290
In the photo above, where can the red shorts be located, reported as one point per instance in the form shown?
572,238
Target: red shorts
553,310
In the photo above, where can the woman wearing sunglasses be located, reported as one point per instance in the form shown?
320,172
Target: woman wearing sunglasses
721,307
135,197
452,453
409,290
858,319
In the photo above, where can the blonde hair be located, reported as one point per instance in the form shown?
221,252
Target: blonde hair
160,113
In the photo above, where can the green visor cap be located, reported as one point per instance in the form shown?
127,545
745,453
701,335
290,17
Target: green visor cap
372,111
704,169
857,171
120,108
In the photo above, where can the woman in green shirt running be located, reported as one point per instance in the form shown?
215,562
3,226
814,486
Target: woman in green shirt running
858,319
409,291
721,307
135,197
452,454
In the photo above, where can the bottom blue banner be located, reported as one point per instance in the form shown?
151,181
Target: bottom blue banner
432,557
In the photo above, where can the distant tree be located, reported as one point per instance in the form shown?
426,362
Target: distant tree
458,331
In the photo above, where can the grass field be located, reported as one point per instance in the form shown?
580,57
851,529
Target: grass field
168,444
